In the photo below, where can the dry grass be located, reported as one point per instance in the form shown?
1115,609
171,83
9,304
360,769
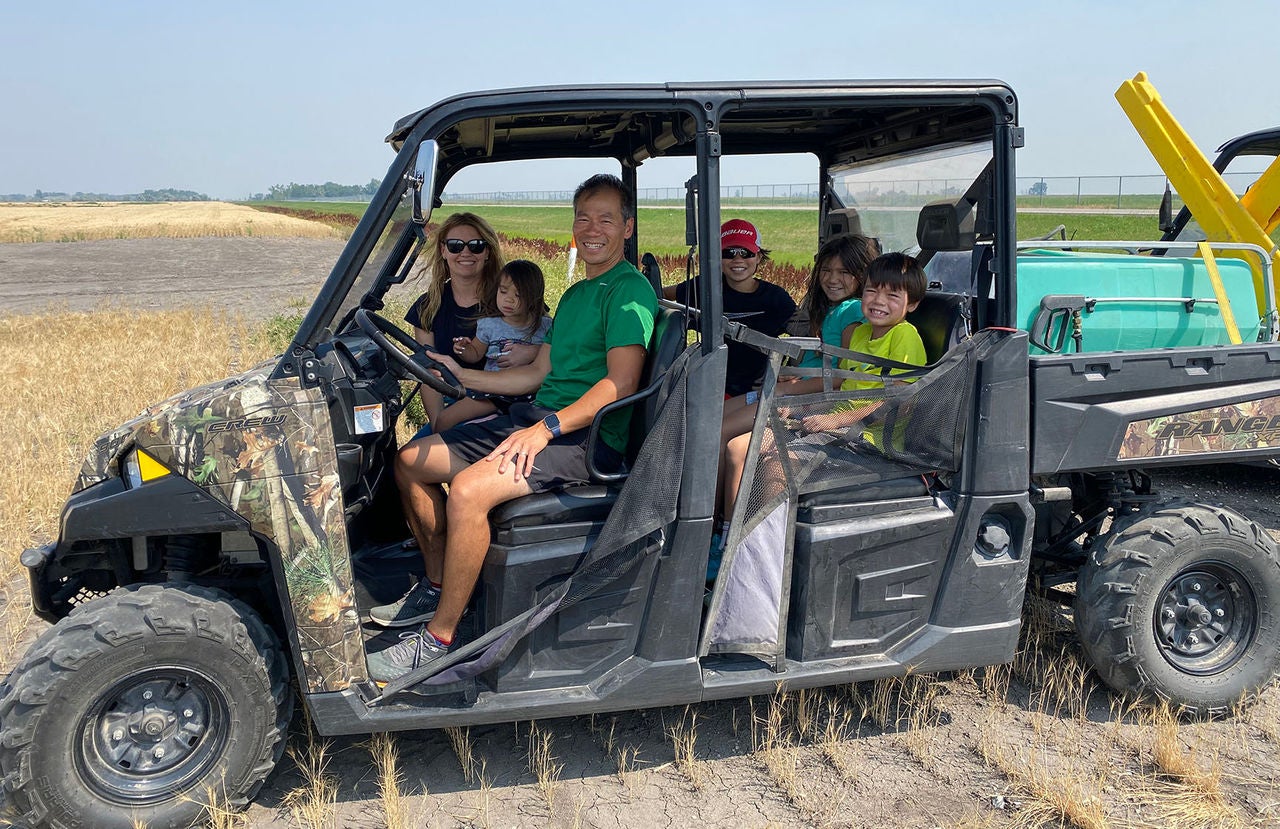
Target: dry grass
395,804
773,744
1138,766
464,750
70,377
627,760
625,757
543,765
218,815
1052,790
79,222
684,747
485,795
1185,779
312,805
835,740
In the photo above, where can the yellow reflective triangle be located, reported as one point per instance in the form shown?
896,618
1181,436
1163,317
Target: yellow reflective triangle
149,467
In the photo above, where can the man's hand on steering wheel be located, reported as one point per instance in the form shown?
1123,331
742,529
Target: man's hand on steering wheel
420,363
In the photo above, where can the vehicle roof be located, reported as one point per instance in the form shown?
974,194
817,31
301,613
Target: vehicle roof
843,121
1261,142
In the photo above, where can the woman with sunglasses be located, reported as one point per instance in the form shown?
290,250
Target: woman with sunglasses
463,259
755,303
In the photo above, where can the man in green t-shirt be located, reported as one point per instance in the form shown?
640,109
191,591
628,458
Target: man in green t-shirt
593,355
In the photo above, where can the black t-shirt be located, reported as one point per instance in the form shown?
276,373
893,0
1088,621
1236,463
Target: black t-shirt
767,310
450,321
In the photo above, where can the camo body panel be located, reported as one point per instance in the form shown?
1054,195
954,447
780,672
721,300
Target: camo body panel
281,476
1250,424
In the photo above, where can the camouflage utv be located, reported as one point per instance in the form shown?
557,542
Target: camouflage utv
232,539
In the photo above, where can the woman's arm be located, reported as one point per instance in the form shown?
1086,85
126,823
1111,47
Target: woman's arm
432,401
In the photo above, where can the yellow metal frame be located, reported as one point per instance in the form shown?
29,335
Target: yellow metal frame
1222,215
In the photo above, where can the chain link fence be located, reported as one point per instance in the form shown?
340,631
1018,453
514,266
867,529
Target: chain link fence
1140,193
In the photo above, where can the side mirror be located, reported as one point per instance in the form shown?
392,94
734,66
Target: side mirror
423,180
1166,210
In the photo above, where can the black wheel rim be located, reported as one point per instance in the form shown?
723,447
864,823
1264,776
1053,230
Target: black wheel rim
152,736
1206,618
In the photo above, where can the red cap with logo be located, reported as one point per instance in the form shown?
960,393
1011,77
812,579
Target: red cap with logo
739,233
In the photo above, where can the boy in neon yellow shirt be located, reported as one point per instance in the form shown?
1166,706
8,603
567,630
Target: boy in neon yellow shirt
895,286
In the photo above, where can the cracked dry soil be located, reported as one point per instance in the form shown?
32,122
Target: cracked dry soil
925,761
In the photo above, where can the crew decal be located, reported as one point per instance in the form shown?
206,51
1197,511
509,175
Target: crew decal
1253,424
241,423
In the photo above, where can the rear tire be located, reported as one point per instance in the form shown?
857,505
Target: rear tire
137,707
1180,603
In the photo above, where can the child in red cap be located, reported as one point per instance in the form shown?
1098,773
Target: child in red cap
753,302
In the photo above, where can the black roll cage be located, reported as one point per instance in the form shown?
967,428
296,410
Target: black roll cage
843,123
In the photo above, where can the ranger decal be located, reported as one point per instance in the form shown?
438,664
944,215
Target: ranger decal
1251,424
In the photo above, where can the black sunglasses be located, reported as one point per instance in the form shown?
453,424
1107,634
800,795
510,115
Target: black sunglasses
473,245
737,253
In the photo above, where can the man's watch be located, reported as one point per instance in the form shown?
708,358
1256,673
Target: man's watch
552,422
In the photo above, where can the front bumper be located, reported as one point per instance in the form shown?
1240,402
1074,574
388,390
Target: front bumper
35,559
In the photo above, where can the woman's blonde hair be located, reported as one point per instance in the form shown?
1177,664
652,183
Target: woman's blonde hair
436,270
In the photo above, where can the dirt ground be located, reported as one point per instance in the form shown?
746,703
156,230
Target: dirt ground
252,276
984,748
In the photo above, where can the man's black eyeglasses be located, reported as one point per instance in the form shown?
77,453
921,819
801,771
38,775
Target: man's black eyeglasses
473,245
737,253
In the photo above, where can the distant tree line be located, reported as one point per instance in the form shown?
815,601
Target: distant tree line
168,194
329,190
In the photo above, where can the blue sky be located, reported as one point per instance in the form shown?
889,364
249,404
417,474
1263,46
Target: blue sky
230,98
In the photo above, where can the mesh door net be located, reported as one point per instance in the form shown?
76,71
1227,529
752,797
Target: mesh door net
635,528
913,424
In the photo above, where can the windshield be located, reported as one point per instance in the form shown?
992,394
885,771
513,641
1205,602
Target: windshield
888,195
379,259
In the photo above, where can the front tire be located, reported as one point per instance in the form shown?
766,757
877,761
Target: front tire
1180,603
139,707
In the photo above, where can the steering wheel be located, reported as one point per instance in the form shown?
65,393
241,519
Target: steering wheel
418,363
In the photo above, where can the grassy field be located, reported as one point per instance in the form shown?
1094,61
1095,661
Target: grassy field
84,221
788,233
1037,743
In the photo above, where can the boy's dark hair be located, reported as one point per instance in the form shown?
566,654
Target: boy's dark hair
602,182
897,270
530,284
856,253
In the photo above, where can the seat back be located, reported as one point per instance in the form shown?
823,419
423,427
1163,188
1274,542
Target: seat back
943,320
840,221
668,341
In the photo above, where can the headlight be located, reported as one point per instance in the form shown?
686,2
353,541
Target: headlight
139,468
132,473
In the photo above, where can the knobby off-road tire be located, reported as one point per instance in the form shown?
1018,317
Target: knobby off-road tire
134,708
1180,602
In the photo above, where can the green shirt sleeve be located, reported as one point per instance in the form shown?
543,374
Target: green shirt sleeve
631,311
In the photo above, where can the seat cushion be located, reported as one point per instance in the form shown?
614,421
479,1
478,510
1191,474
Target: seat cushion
590,502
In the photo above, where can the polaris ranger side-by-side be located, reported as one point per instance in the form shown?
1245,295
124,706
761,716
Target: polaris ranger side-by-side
233,538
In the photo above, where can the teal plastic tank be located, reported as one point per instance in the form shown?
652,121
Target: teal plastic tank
1139,320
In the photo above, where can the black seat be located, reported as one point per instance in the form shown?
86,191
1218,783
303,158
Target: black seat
582,505
943,321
